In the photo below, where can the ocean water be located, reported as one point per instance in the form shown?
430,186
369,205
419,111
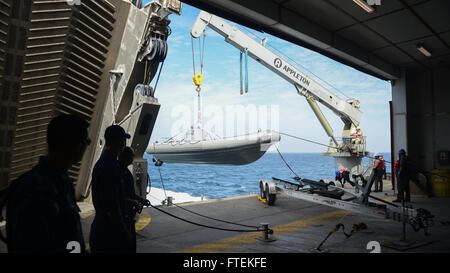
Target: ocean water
189,182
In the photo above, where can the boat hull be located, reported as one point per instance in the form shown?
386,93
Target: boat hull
241,156
232,151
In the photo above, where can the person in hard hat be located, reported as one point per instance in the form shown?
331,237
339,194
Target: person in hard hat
357,136
403,175
358,132
378,173
343,174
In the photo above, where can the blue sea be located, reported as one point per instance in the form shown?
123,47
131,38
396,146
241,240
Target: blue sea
213,181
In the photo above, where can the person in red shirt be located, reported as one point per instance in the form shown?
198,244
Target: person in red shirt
396,167
357,136
384,167
378,167
343,174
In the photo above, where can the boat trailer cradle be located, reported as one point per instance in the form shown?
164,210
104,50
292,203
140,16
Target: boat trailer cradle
328,194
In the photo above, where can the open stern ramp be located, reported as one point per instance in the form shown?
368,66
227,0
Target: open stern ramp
76,57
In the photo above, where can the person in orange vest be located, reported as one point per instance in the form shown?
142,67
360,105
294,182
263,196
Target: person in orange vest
357,135
396,167
343,174
384,166
378,169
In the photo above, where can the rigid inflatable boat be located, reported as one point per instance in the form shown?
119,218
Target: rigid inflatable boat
198,147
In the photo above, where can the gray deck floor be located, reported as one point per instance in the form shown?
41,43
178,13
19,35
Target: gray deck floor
299,227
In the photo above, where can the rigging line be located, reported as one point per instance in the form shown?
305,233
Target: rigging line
241,79
200,54
336,228
246,70
202,225
193,212
157,79
173,137
149,183
307,140
193,54
162,182
159,170
325,145
286,162
204,49
281,53
145,71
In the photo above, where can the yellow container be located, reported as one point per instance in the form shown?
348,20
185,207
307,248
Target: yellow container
441,182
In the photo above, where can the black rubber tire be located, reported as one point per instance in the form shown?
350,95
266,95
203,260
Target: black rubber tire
262,191
270,197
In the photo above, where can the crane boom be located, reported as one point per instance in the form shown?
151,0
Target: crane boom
348,110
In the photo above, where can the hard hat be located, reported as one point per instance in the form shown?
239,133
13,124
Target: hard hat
336,172
377,155
358,128
401,152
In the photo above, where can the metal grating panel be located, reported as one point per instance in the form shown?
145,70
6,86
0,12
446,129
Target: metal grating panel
63,62
8,85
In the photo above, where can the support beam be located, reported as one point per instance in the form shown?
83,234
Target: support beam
399,112
267,16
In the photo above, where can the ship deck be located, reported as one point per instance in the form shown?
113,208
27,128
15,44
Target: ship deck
299,227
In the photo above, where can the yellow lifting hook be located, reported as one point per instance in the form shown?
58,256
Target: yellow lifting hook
198,79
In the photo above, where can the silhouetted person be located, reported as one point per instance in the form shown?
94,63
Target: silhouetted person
109,232
403,176
42,213
133,200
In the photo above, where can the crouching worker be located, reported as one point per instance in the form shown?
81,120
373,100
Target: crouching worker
343,174
42,214
133,201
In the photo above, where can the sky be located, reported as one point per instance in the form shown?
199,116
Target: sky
271,103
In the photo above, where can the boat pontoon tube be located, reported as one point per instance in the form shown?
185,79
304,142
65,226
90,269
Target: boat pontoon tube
239,150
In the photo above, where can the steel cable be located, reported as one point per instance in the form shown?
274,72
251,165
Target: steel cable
223,221
202,225
325,145
286,162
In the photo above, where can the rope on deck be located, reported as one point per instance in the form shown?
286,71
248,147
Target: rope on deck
255,228
202,225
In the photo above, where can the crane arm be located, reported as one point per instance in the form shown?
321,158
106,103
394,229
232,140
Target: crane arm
348,111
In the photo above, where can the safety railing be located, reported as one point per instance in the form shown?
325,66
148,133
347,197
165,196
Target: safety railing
352,144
